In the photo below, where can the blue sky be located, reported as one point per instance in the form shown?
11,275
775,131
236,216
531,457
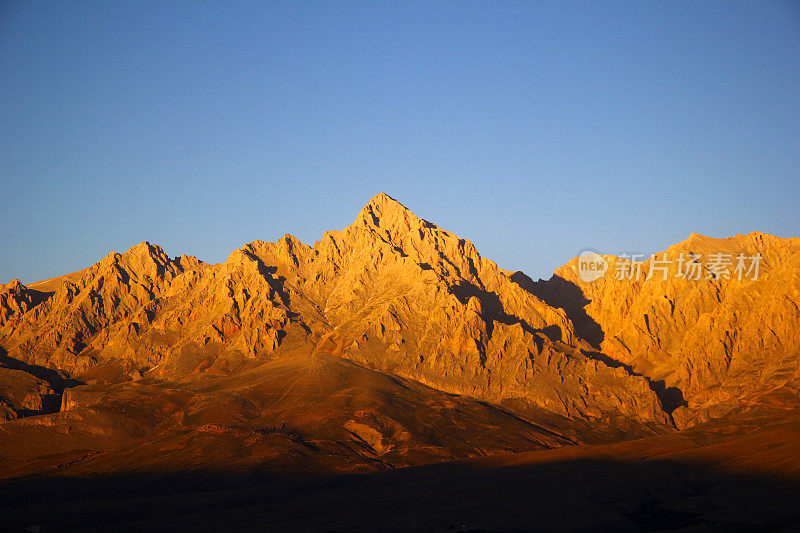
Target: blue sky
534,129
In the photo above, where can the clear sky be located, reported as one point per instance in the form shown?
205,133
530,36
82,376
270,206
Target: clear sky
534,129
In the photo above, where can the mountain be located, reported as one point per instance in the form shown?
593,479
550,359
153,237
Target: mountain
391,342
714,342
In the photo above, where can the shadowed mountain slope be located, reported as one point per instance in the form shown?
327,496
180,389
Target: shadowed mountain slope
739,473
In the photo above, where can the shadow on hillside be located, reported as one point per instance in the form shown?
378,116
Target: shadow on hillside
51,403
563,294
39,297
493,310
671,397
578,495
57,381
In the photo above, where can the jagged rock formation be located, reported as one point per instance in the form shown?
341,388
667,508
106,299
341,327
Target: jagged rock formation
392,291
711,341
58,331
376,346
401,295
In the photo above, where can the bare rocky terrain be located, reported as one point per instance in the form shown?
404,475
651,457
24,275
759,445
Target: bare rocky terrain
236,394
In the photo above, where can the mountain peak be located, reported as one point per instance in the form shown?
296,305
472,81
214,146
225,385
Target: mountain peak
382,203
382,198
144,248
385,212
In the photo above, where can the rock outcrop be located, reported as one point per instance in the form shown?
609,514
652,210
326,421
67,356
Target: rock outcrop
22,394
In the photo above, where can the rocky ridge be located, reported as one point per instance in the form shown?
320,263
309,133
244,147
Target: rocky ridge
712,341
389,342
391,291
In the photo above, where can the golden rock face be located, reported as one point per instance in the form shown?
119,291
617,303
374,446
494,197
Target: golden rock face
391,291
382,332
716,340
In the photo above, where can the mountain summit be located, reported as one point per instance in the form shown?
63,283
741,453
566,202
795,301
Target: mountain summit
384,212
391,341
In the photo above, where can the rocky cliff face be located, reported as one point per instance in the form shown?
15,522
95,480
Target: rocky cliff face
389,342
399,294
396,294
392,292
712,341
58,331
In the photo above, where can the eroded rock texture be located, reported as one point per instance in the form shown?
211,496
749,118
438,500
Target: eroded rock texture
389,342
711,341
